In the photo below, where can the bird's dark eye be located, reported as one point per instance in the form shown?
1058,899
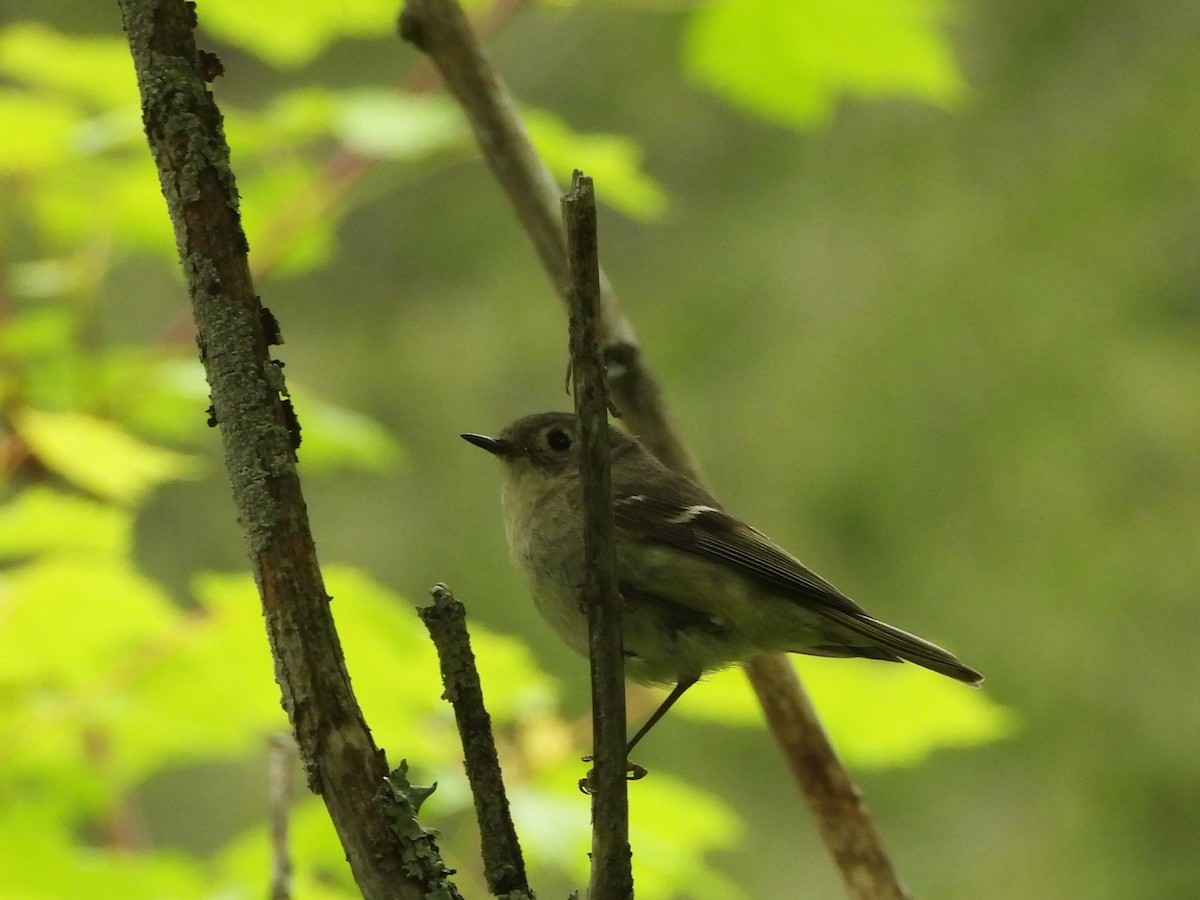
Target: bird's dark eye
558,440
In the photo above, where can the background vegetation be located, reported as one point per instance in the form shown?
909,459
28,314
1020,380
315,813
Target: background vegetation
921,283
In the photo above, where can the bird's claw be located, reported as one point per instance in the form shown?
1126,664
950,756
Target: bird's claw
587,784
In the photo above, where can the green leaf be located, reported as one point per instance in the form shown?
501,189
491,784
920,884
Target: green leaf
39,331
40,520
335,436
393,125
97,609
393,664
675,828
789,61
286,212
206,692
100,456
877,714
37,132
292,40
44,857
95,69
396,674
321,872
290,119
612,160
73,629
95,197
163,398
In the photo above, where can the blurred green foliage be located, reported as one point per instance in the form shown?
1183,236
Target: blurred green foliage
945,346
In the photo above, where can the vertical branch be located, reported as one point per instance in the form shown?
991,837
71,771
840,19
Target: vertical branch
439,29
503,865
281,764
184,128
612,877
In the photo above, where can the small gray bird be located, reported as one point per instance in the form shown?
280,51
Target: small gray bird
700,589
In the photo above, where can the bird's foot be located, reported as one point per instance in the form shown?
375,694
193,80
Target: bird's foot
587,784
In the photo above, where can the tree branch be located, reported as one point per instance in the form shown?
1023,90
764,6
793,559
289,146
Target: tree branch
281,767
440,29
835,800
612,876
503,865
184,129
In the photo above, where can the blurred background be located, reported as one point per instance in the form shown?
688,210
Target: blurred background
920,281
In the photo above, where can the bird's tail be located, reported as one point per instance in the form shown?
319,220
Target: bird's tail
895,643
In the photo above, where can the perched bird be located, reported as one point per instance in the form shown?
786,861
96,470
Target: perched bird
700,589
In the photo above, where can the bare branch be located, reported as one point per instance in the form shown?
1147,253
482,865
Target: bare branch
835,800
281,764
612,876
503,865
440,29
184,129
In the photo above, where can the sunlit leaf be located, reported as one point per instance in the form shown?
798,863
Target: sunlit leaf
37,132
65,619
394,664
209,691
99,456
93,197
320,869
51,277
97,69
286,214
291,40
399,126
612,160
288,121
45,856
163,398
42,520
791,60
36,332
73,630
336,436
877,714
675,827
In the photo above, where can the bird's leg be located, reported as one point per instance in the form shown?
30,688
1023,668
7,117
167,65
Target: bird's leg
635,771
676,692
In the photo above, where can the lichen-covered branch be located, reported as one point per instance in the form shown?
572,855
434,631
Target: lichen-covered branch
260,434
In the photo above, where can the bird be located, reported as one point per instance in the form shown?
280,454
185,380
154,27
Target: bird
700,589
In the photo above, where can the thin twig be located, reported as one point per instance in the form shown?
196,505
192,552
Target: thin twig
281,764
612,877
439,29
503,865
184,129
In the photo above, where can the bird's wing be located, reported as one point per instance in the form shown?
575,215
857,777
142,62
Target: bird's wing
682,515
685,516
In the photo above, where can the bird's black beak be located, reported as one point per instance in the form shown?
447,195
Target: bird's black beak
495,446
